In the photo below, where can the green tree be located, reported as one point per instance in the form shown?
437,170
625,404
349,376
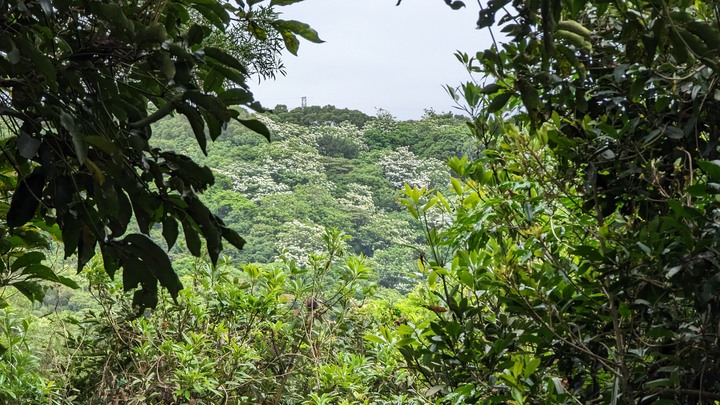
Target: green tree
315,115
281,334
580,265
82,82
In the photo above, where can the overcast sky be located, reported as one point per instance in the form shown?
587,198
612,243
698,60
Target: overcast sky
376,55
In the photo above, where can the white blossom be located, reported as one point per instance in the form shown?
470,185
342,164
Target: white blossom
252,183
345,131
298,240
403,166
358,197
283,165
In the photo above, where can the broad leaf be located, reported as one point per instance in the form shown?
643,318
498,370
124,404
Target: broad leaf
256,126
26,199
299,28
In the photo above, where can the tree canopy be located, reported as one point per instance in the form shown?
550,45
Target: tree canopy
581,264
571,257
316,115
81,84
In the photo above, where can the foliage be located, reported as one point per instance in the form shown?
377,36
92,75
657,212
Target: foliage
580,265
438,136
399,268
315,115
254,40
287,334
401,166
82,83
317,176
22,379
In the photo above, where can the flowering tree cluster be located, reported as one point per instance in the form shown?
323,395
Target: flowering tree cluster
402,166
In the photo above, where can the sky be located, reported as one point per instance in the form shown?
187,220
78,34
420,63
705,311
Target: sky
376,55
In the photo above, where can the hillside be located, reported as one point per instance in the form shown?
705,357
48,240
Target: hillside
323,173
565,251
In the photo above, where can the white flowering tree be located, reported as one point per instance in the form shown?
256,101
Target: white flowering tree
401,166
298,240
279,167
252,183
358,201
385,229
344,140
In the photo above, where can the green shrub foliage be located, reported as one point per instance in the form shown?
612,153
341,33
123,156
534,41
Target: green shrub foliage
570,257
284,334
580,265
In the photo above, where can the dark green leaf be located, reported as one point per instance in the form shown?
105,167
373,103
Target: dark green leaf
233,75
529,95
39,60
192,239
257,31
166,66
31,289
214,12
491,88
673,132
213,81
291,42
233,237
588,252
235,96
152,34
86,248
111,259
214,125
212,105
155,260
27,259
81,147
134,271
299,28
40,271
191,173
498,102
118,224
102,143
29,238
70,235
256,126
26,199
27,145
13,56
146,297
142,210
712,168
209,227
195,34
679,49
225,58
67,282
170,231
197,124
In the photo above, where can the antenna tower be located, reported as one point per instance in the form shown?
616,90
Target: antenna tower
303,102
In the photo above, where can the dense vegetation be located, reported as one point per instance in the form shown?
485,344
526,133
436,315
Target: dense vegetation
294,305
567,253
282,194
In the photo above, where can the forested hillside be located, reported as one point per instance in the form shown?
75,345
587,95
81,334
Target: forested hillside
327,238
282,194
164,239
